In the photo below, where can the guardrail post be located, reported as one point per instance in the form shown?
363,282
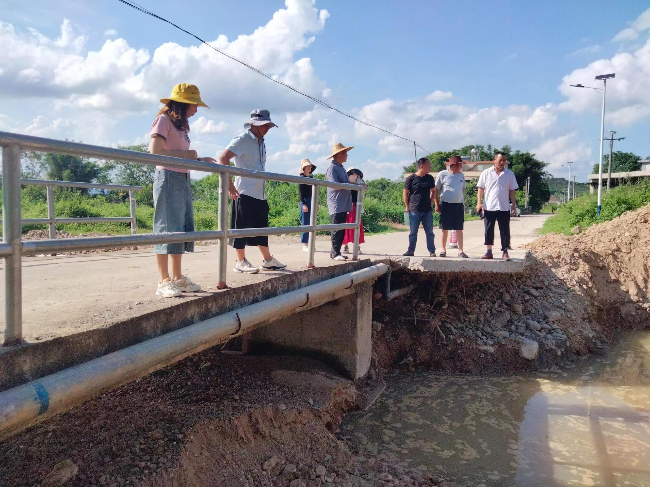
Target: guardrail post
357,230
11,235
224,183
313,221
50,213
134,223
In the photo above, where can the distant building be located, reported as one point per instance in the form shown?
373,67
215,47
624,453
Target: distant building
472,170
553,200
621,177
645,164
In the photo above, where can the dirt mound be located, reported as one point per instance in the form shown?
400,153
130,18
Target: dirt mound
212,419
575,294
609,263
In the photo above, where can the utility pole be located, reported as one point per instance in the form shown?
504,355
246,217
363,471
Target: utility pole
568,191
611,149
574,186
527,192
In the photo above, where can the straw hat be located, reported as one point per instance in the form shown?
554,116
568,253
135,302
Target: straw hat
185,93
336,148
354,170
306,162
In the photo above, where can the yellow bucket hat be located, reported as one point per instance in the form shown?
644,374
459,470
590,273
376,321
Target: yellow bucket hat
185,93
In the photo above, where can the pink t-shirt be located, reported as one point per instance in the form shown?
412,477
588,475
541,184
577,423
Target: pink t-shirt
174,139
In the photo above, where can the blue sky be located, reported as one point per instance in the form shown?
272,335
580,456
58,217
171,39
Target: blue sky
445,73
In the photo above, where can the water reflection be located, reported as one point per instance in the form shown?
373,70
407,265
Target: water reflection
590,426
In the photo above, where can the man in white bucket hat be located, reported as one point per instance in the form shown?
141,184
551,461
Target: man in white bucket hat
250,208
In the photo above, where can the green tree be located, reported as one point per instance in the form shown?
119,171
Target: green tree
134,174
621,162
59,167
525,165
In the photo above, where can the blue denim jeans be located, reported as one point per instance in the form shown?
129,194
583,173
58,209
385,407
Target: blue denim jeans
426,218
304,220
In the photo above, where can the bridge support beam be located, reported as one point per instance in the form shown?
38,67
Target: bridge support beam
338,332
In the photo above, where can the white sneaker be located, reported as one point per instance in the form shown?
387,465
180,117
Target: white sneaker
360,251
186,285
305,247
245,266
271,265
346,250
340,257
167,289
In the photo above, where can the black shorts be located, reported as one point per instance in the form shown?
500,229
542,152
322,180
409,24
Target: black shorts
452,216
249,212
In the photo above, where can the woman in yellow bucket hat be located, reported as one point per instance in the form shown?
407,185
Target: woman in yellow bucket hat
172,191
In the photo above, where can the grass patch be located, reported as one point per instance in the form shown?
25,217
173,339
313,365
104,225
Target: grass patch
582,211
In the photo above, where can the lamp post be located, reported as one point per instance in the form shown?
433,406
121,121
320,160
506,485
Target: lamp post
603,77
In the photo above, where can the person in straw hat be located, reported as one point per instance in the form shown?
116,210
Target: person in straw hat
172,191
250,208
306,170
355,176
339,201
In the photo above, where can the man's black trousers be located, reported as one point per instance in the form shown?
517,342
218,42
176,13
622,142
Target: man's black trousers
337,236
503,217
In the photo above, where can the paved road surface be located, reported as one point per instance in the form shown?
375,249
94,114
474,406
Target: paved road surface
70,293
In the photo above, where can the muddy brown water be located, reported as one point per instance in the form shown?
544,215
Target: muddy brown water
584,426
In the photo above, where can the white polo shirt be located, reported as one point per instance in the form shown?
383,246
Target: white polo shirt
497,188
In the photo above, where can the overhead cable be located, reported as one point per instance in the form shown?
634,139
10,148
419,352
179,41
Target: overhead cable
258,71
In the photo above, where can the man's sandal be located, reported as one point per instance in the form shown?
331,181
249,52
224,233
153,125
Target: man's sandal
463,255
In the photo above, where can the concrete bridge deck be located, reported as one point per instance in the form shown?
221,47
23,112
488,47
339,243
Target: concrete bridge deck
68,294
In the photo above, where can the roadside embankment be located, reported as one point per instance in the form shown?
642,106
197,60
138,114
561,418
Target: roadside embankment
575,294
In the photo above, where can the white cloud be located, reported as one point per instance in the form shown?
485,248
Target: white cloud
641,24
439,96
594,48
627,34
204,126
628,95
110,33
126,79
560,150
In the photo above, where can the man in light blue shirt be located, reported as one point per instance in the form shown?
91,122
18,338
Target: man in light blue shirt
448,198
250,209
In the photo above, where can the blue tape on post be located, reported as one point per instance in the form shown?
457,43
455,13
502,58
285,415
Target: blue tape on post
43,398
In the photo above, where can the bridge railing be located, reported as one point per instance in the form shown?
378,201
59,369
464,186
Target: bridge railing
51,219
13,248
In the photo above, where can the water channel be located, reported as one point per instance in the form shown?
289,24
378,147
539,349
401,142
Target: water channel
588,425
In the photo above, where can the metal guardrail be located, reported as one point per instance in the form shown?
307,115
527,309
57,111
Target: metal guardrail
51,220
13,248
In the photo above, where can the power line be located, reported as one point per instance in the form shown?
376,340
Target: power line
316,100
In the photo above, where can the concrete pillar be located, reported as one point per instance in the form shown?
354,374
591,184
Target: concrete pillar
338,332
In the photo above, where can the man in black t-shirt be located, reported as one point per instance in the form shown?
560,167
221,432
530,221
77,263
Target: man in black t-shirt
418,195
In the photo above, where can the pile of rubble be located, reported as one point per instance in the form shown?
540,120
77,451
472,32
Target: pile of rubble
575,293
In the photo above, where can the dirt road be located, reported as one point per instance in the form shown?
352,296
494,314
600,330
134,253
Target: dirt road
67,294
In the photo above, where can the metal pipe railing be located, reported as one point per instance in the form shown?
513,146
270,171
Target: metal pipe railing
30,403
13,249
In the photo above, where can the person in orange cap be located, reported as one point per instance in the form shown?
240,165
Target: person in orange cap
172,191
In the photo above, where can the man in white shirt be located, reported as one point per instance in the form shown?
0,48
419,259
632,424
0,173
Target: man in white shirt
498,185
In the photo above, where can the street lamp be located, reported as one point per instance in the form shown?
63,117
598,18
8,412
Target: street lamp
603,77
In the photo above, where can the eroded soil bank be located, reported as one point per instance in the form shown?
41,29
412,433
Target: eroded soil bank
223,419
